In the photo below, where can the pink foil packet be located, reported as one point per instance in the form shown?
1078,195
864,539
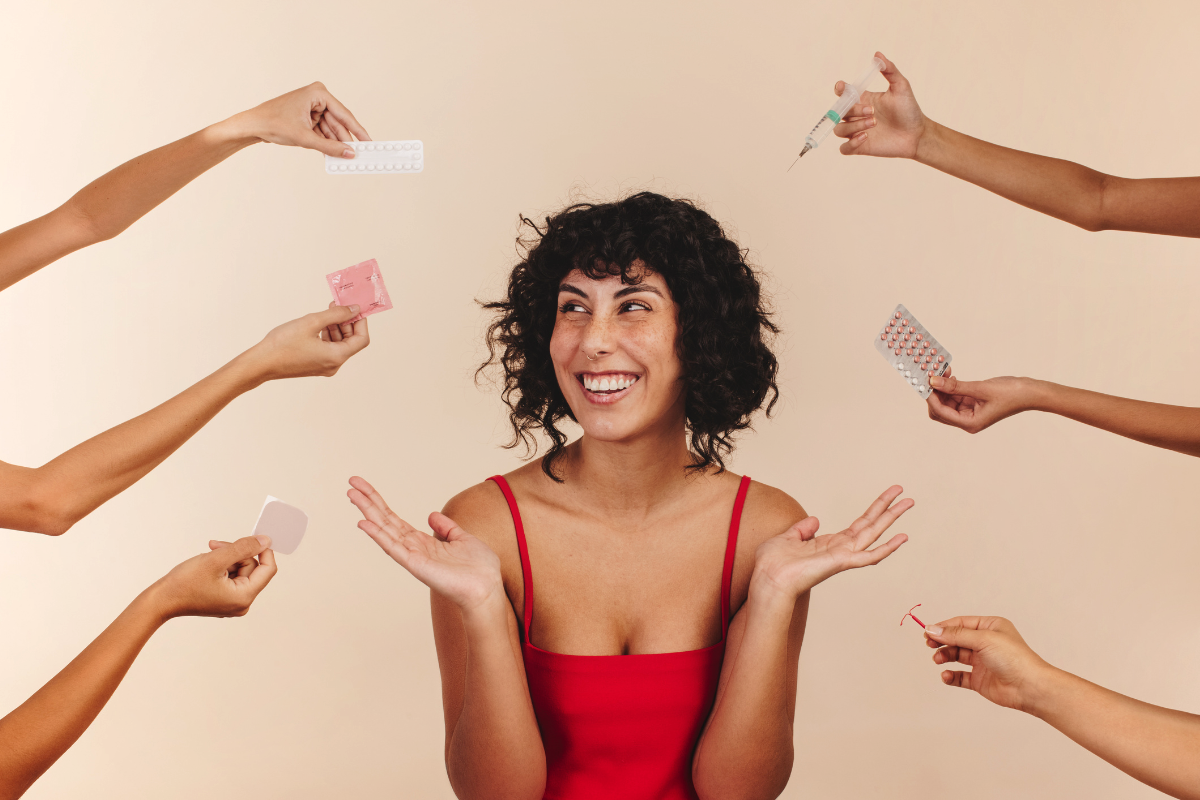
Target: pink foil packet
361,284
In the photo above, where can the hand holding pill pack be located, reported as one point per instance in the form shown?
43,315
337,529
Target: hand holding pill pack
379,158
909,347
283,523
361,284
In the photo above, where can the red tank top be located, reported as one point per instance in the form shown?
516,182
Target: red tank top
622,726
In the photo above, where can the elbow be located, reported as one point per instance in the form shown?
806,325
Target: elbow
46,515
1095,217
761,781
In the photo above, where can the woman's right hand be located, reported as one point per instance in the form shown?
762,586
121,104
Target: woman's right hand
976,405
888,124
452,562
1004,669
305,346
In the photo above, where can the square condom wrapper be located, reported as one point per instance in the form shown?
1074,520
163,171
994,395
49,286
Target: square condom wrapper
361,284
283,523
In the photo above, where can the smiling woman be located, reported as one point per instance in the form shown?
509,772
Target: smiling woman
671,594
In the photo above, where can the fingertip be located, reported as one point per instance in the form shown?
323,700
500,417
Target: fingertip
947,677
263,539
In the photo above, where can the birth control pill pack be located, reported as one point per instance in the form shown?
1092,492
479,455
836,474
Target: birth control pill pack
911,350
379,158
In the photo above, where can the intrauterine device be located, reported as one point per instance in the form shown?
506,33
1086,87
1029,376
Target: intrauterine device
361,284
379,158
283,523
914,353
850,96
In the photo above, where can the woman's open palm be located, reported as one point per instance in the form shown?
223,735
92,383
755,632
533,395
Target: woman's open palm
797,559
452,562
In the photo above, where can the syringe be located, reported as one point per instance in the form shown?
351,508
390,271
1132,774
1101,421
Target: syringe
850,96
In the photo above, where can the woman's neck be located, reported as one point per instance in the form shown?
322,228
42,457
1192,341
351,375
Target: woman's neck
633,476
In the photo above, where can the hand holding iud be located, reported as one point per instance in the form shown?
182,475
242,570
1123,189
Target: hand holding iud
360,285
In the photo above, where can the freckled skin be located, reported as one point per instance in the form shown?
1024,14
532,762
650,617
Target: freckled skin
635,333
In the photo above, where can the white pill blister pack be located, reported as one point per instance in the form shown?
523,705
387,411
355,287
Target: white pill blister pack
379,158
911,350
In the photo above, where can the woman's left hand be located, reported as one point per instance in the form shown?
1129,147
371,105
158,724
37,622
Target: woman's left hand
797,559
309,117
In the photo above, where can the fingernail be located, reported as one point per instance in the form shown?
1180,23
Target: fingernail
935,630
868,110
347,153
265,541
934,380
871,123
354,308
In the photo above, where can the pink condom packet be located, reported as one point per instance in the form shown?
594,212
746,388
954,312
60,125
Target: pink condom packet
361,284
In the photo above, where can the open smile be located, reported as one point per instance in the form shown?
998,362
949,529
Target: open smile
606,387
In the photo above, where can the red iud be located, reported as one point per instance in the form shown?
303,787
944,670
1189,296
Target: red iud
914,616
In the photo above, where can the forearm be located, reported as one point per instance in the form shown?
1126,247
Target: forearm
77,482
496,748
114,201
41,729
746,751
1062,189
1155,745
1172,427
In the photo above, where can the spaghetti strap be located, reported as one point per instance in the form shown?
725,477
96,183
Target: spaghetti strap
730,551
526,573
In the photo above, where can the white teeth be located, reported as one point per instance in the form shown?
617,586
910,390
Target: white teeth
607,383
604,385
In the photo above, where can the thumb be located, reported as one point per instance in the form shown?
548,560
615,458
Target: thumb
807,528
330,147
445,528
334,316
952,385
241,550
969,638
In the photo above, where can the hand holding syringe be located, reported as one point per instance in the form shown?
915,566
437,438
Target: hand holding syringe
850,96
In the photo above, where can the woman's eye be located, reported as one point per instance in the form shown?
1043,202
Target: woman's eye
568,307
634,305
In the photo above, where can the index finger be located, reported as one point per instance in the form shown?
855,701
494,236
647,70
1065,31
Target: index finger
342,114
882,502
868,536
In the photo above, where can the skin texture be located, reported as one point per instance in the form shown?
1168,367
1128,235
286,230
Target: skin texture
222,583
52,498
626,555
1155,745
976,405
891,124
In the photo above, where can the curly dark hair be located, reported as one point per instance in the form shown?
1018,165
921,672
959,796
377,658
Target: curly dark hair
724,332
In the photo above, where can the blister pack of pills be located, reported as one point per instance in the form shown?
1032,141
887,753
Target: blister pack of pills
379,158
911,350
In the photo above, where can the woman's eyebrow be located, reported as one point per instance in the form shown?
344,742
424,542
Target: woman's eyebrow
566,287
640,287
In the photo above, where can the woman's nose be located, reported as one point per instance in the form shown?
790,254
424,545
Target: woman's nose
598,339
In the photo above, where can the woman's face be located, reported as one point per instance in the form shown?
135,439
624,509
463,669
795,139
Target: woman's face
613,349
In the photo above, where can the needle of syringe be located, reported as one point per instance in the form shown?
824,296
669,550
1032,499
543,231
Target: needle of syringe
802,152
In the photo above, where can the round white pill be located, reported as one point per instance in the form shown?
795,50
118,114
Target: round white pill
361,147
416,145
899,365
417,165
387,147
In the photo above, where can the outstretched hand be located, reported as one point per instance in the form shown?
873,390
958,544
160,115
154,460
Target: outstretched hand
310,346
221,583
975,405
309,117
798,559
1004,668
452,562
888,124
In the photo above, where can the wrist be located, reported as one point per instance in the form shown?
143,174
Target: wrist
767,594
247,371
1042,691
153,605
929,141
485,614
239,131
1037,395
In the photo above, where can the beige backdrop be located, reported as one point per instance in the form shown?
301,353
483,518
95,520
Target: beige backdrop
329,687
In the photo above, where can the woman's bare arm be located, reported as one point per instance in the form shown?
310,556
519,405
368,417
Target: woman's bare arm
217,584
1157,746
976,405
52,498
310,117
891,124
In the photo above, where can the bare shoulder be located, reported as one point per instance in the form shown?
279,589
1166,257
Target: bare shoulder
482,511
768,512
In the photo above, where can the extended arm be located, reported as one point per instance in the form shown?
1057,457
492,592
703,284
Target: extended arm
1157,746
40,730
746,750
891,124
493,744
976,405
52,498
308,117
